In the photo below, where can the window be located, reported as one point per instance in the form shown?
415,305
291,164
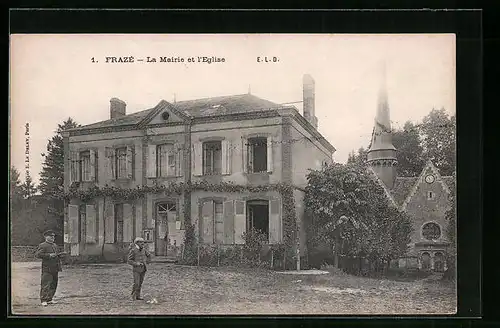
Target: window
119,223
431,231
218,223
430,195
121,163
257,155
212,158
166,160
258,216
85,165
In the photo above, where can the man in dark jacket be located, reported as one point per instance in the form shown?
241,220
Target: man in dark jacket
138,257
51,266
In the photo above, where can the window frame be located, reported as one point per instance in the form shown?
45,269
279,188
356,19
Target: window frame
252,143
205,151
431,223
117,161
84,154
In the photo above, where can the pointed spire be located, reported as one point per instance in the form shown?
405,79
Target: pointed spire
249,89
175,100
382,118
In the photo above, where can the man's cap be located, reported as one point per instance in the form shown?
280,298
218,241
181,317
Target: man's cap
138,239
49,233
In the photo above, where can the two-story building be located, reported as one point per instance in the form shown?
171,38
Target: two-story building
242,140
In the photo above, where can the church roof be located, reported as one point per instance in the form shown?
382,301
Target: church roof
222,105
401,188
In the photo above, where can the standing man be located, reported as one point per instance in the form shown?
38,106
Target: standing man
138,257
51,266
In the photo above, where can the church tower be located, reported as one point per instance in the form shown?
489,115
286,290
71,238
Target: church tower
382,153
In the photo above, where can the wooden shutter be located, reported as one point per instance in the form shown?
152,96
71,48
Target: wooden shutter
151,166
93,165
111,159
73,230
226,157
109,221
128,223
239,221
274,221
78,166
179,159
207,213
270,154
72,167
229,222
90,224
244,154
129,162
197,158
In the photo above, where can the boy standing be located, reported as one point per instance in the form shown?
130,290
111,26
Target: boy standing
138,257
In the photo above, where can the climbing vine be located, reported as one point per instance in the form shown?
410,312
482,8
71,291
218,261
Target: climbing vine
179,188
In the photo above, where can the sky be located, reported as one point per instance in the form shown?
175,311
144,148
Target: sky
53,77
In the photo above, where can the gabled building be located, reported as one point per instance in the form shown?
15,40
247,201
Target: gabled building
424,198
240,140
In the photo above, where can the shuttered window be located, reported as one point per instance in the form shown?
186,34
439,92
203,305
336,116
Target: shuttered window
118,223
121,163
85,165
212,158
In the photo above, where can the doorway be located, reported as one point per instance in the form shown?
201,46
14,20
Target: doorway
439,262
426,261
258,216
165,213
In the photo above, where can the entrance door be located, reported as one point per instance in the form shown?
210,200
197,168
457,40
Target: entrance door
166,243
426,261
439,262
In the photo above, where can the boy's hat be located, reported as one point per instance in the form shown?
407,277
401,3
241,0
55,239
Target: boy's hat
49,233
138,239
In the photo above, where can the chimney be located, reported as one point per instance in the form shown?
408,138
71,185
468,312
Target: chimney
117,108
308,100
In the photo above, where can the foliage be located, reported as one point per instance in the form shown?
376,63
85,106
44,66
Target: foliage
451,229
410,152
252,249
190,253
345,203
16,192
438,140
28,188
359,157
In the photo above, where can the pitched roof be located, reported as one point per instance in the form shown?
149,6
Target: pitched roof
196,108
401,188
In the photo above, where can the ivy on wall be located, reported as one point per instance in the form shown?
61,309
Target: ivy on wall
290,233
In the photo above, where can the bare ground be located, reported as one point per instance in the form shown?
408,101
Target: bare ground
105,289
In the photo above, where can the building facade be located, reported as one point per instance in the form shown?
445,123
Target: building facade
424,198
240,140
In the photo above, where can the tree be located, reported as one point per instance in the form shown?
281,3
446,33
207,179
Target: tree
451,234
438,140
16,191
359,157
52,174
346,206
409,150
28,188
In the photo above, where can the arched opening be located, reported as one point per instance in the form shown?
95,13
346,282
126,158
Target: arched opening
439,262
426,261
